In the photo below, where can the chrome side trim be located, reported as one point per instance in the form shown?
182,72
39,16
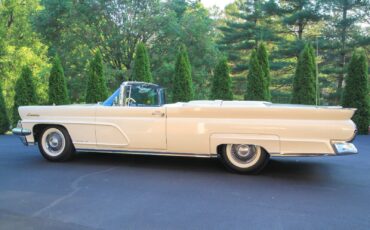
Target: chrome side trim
106,144
300,155
147,153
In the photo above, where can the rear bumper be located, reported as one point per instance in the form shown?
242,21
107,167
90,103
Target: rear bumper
344,148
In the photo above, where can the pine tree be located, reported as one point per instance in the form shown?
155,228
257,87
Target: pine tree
141,70
57,84
182,85
264,63
96,86
25,93
256,85
356,90
304,90
221,83
4,119
340,36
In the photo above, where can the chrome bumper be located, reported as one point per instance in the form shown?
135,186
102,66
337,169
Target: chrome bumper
344,148
22,133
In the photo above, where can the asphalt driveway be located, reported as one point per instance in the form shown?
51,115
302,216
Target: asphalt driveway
100,191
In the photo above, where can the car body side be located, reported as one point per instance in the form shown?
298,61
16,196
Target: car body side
192,129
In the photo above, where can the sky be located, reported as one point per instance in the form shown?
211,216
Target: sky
220,3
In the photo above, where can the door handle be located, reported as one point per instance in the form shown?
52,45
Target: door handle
158,113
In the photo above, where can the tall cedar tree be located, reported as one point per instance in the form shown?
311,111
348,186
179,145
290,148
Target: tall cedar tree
314,71
256,85
264,63
183,84
141,71
221,84
25,93
57,84
4,119
304,90
96,86
356,90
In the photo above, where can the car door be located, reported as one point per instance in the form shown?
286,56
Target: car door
131,128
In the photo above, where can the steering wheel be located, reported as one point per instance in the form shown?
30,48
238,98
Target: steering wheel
129,100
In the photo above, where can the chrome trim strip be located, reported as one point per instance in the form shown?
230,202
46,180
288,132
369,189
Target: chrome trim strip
147,153
106,144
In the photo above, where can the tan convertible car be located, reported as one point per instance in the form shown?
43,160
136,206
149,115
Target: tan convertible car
136,120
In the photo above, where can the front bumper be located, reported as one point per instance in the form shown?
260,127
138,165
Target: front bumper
344,148
22,133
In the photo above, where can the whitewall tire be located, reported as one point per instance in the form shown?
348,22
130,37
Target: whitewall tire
243,158
55,144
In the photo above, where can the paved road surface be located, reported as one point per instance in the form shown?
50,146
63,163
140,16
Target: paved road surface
99,191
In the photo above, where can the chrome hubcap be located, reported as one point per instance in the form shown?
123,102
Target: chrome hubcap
243,153
53,142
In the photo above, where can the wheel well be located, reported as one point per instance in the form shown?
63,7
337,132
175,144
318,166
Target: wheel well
220,147
39,128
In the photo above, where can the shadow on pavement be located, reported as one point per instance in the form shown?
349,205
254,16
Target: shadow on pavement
287,169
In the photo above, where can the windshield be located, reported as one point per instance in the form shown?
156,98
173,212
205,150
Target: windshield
137,95
112,99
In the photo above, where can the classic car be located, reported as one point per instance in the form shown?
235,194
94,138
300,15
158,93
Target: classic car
136,120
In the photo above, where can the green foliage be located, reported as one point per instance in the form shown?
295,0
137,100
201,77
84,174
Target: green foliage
141,70
21,46
264,63
356,91
256,84
4,119
25,93
182,84
304,90
57,84
342,33
96,86
221,83
245,25
187,23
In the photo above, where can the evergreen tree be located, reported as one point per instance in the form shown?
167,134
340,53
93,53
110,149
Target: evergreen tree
182,85
304,90
314,72
256,85
340,35
356,90
221,83
57,84
96,86
25,93
4,119
264,63
141,71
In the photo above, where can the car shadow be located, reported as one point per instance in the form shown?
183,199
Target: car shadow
305,169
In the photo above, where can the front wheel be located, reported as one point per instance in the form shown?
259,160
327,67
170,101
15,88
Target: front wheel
244,158
55,144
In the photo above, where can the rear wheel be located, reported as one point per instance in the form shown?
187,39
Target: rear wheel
244,158
55,144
